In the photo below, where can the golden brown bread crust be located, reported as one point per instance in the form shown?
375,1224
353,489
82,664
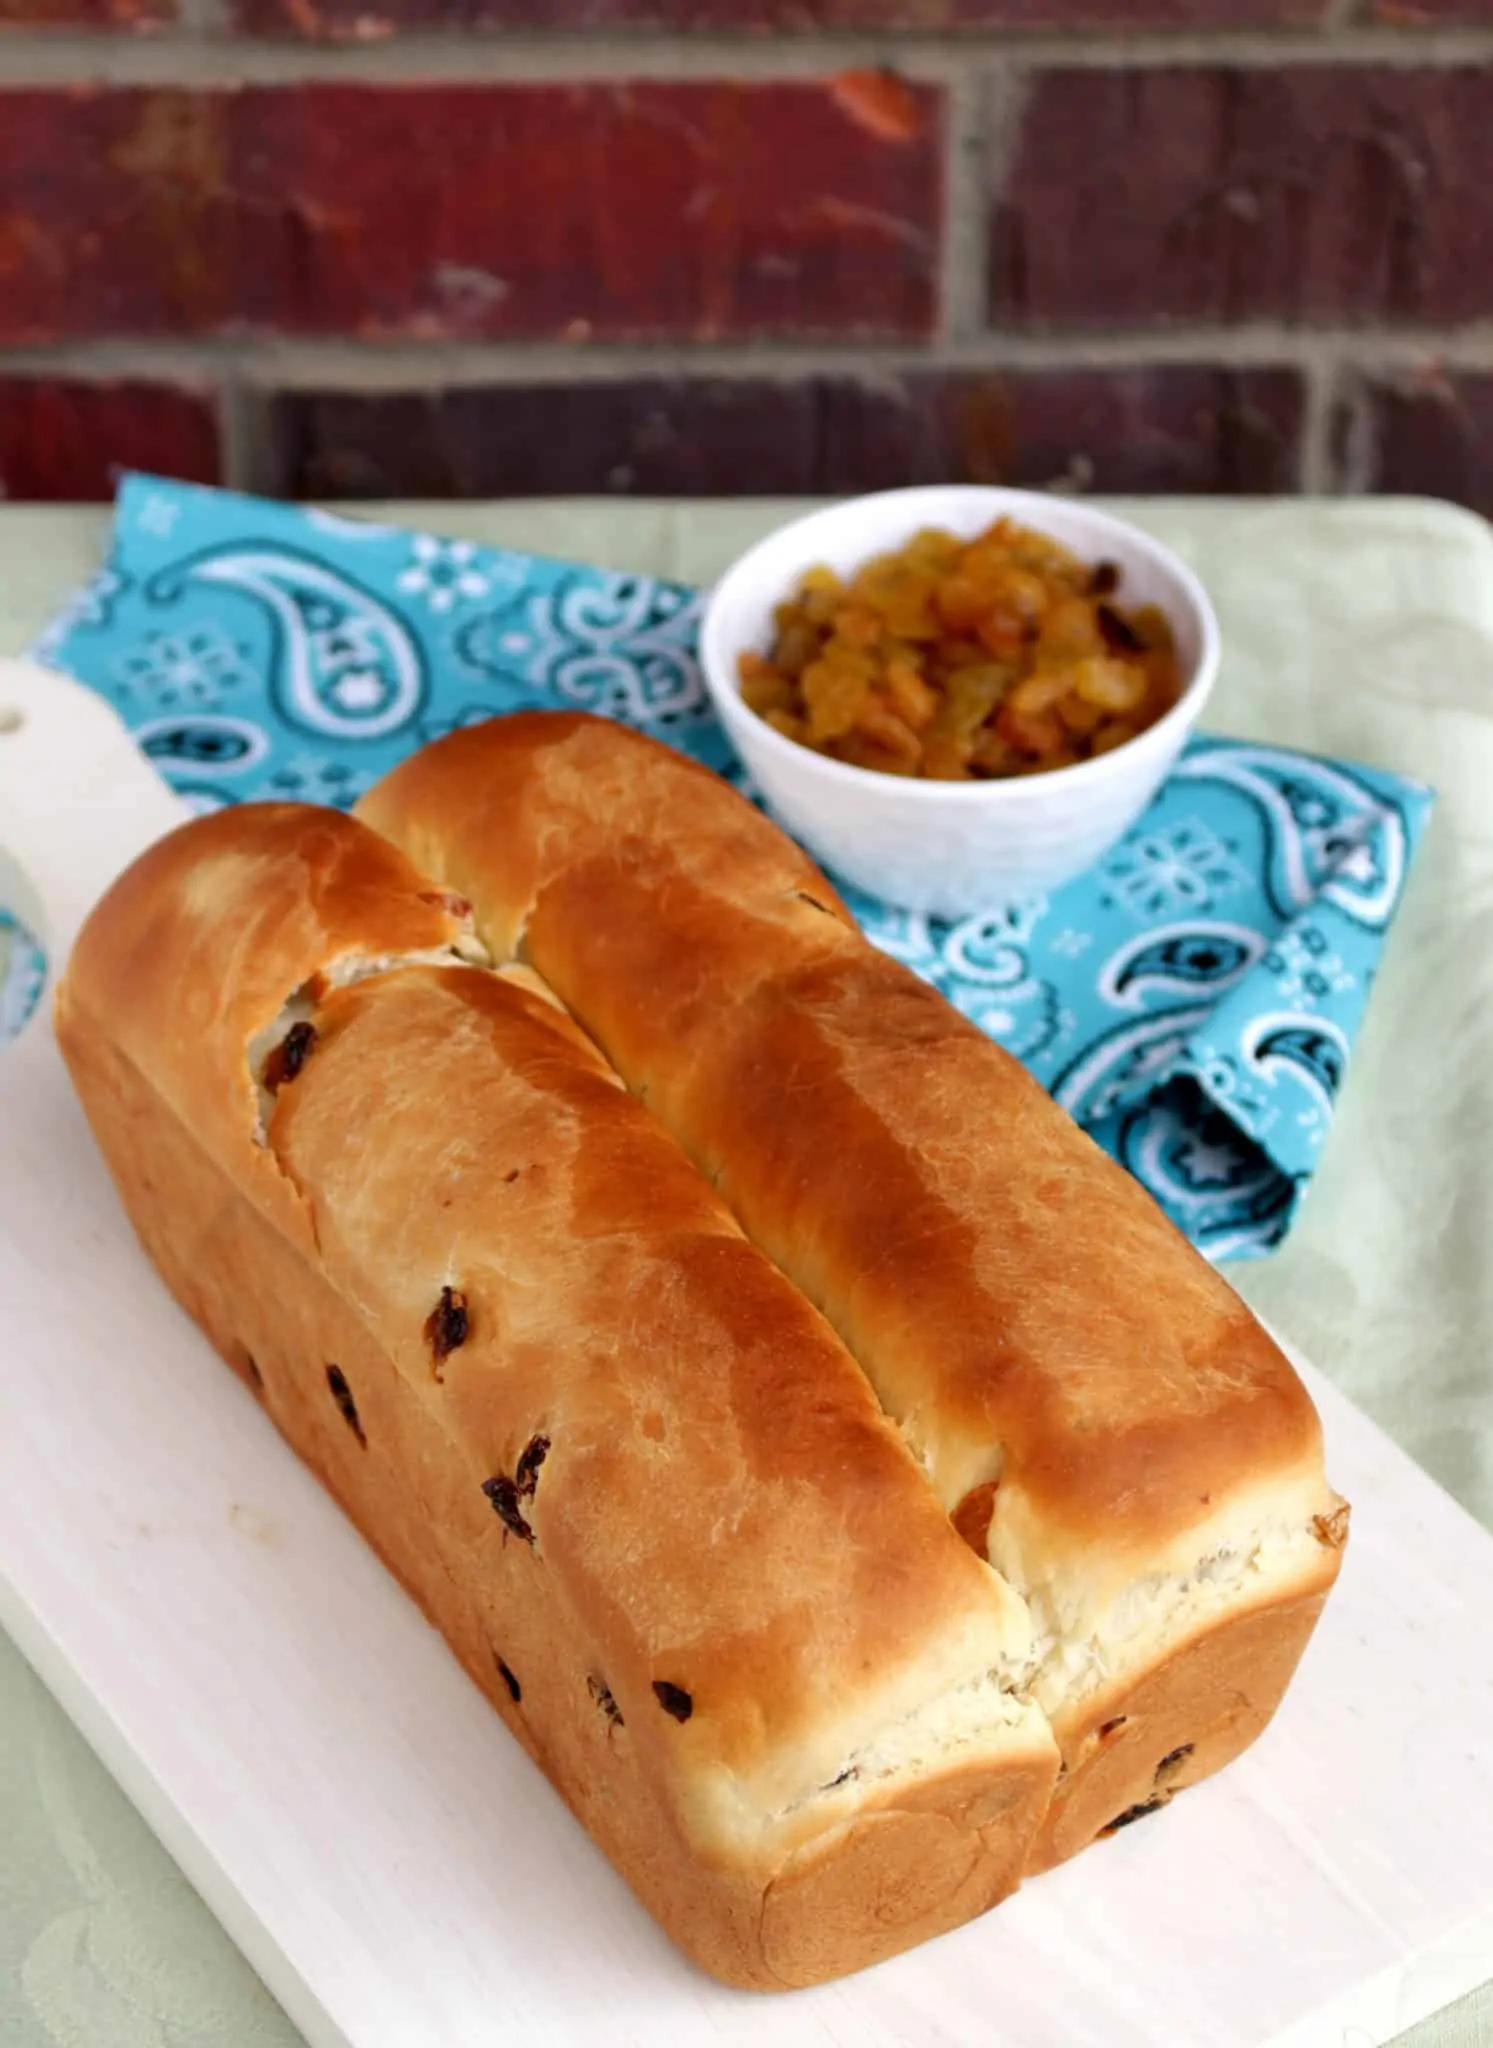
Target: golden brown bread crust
689,1401
864,1130
1070,1370
207,934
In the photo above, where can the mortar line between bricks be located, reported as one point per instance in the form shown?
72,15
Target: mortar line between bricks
204,58
1358,463
962,304
266,363
1320,386
236,409
1007,96
201,19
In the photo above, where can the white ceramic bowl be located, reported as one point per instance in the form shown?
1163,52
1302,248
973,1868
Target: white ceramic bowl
952,849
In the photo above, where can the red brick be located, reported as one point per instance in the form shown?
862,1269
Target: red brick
339,20
86,14
1148,196
662,437
1413,14
1170,428
1166,427
701,209
64,440
1433,435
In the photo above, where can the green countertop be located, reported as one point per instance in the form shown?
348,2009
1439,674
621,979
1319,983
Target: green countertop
1363,630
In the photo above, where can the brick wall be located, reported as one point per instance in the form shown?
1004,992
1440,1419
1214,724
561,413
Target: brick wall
448,247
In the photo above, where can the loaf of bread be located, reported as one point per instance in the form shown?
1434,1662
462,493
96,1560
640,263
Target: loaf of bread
841,1478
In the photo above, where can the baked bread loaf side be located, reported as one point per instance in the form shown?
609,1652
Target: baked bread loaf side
626,1467
1098,1412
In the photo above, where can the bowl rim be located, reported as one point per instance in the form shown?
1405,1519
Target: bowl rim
725,693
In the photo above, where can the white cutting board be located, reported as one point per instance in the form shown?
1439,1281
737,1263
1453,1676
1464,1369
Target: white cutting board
393,1865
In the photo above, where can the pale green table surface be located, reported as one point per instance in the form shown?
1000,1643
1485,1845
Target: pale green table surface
1358,629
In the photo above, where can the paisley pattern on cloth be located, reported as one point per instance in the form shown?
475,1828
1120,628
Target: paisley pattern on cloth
1191,1000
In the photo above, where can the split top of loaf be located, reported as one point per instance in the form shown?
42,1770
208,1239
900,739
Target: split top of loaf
748,1558
1099,1412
